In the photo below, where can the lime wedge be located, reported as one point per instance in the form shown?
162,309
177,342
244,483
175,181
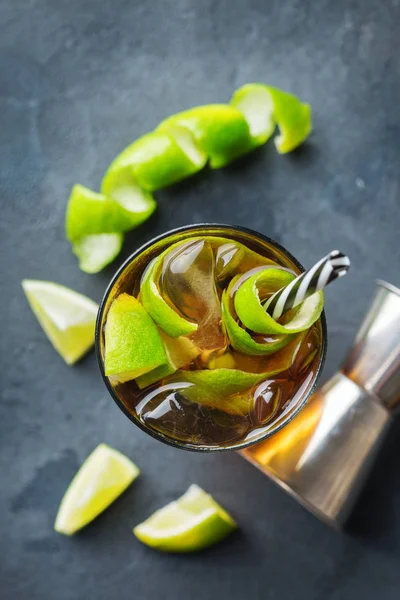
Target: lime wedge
253,315
97,251
180,352
68,318
255,102
104,475
193,522
220,130
133,345
240,339
263,106
162,313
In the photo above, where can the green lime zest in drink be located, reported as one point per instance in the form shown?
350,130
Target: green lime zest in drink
180,352
132,341
163,314
104,475
193,522
221,389
249,308
67,317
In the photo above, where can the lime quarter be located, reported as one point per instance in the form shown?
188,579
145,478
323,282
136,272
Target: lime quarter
191,523
104,475
67,317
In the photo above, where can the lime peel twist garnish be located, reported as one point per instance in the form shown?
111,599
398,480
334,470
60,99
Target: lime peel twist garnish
180,352
179,147
161,312
241,340
220,130
265,107
252,314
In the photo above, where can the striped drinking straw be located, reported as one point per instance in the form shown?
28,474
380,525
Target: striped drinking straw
334,265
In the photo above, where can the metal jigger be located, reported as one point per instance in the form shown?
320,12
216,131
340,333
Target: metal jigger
323,456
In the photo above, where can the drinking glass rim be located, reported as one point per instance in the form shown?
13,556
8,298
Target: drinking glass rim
157,435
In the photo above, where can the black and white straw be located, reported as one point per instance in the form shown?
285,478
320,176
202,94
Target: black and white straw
334,265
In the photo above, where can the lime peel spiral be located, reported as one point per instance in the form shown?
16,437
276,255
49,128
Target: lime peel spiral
179,147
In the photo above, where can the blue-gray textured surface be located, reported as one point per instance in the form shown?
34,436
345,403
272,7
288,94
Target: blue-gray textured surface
80,79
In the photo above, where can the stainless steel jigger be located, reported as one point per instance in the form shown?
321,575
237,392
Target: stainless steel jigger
323,456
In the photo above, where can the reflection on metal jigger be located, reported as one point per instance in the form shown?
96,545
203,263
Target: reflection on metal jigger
323,456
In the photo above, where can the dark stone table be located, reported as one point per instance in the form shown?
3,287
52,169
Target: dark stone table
79,80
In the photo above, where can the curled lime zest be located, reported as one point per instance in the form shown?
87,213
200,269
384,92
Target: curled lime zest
249,308
179,147
180,352
220,130
95,252
222,389
265,107
161,312
240,339
89,213
95,223
158,159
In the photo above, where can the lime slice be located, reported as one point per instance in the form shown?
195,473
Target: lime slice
133,345
104,475
162,313
240,339
97,251
220,130
255,102
193,522
263,106
180,352
68,318
253,315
